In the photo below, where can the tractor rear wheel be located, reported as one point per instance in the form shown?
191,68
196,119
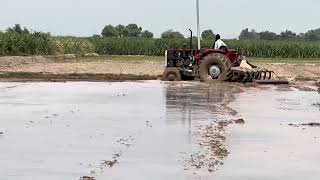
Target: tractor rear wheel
215,67
171,74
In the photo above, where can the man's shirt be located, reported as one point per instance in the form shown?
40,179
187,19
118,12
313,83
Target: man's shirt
219,43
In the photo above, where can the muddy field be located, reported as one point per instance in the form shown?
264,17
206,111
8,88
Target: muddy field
152,129
72,68
156,130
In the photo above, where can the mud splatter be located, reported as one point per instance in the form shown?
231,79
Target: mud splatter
126,142
110,163
317,105
148,124
312,124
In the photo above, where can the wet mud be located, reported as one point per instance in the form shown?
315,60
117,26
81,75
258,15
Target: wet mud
213,149
317,84
50,77
305,88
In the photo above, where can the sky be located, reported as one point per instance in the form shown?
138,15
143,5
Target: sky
226,17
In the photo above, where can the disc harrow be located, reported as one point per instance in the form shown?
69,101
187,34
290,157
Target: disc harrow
242,75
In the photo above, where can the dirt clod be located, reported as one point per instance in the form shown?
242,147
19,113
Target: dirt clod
148,124
239,121
110,163
87,178
316,105
293,125
312,124
116,156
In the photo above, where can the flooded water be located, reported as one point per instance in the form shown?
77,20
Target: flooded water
267,147
153,130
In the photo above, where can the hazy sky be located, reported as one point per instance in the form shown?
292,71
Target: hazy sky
227,17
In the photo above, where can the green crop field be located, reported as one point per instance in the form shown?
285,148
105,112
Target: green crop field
44,44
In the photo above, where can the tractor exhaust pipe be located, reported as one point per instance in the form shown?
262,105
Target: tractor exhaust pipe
191,40
198,25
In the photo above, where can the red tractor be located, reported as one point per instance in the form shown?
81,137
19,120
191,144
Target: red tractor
213,65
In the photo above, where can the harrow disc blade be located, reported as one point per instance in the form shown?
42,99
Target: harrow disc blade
245,77
236,76
264,75
270,75
256,75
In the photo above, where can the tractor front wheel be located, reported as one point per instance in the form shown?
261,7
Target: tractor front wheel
214,67
171,74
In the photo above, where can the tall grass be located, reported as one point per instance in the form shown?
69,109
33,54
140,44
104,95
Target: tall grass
264,49
25,44
133,46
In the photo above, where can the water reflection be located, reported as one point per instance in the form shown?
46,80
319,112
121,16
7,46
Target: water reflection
199,100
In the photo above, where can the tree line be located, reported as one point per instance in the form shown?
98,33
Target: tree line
133,30
311,35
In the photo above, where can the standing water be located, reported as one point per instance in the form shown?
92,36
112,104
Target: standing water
154,130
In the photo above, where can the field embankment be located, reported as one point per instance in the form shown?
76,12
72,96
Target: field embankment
106,68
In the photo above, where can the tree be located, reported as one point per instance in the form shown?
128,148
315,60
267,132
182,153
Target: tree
288,35
109,31
147,34
122,30
17,29
207,34
246,34
25,31
267,35
133,30
312,35
170,34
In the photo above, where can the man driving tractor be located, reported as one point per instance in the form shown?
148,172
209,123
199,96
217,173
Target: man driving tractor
218,43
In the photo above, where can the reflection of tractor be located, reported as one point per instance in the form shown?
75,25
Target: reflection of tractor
213,65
